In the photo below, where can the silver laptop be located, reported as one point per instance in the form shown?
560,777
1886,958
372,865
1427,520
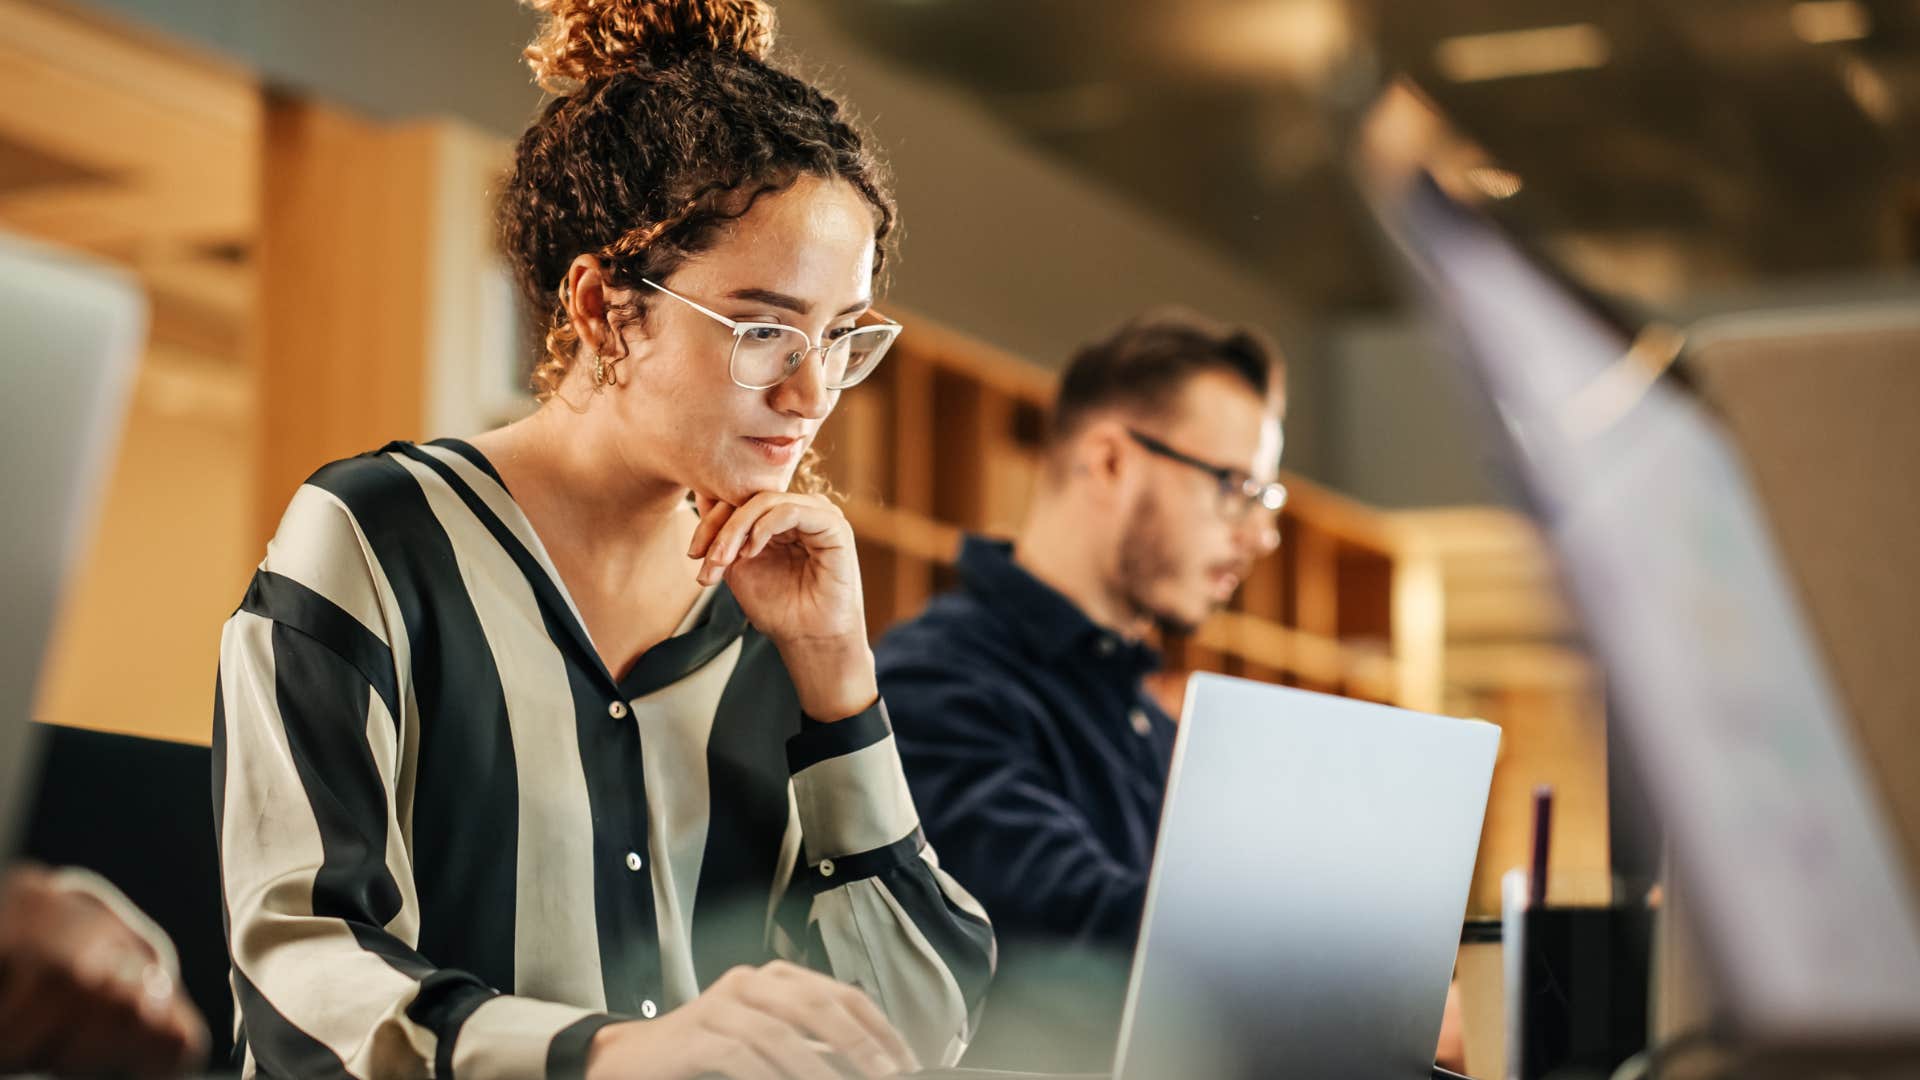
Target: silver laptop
70,334
1304,912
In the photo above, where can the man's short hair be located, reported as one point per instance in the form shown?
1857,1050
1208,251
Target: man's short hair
1141,367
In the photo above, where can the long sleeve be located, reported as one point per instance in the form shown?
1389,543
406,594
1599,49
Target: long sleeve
883,914
1004,824
321,913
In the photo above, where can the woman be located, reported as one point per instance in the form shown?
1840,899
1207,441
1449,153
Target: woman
534,752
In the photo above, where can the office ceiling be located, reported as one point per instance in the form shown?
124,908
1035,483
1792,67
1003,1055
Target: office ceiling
1661,148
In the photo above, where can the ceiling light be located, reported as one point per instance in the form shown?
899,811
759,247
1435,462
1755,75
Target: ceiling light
1505,55
1298,41
1869,90
1823,22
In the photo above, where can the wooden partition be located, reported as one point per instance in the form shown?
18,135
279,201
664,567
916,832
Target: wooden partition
343,315
384,312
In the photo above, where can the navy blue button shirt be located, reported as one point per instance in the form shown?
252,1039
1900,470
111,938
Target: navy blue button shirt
1038,763
1037,759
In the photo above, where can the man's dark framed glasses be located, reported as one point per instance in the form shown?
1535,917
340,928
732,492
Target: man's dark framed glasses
1240,494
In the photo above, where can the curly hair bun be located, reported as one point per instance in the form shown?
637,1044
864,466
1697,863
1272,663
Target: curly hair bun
581,41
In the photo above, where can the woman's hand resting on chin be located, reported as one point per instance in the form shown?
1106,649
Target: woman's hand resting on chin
791,563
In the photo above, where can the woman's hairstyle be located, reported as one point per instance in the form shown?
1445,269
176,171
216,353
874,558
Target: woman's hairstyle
667,123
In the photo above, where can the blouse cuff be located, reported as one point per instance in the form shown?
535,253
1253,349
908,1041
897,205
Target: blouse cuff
856,812
510,1036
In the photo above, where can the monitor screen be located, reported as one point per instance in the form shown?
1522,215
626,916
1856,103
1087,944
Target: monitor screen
1778,836
73,334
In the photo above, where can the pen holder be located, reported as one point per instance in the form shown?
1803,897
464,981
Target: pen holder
1576,984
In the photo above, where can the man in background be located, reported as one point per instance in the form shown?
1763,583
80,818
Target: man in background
1036,755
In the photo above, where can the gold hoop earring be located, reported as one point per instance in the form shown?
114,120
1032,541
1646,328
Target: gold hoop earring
604,374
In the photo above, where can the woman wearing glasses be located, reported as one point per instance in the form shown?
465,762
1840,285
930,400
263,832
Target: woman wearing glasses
559,750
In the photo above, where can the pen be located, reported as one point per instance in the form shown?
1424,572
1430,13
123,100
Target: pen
1542,842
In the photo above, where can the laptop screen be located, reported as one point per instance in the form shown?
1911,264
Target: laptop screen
1727,711
73,333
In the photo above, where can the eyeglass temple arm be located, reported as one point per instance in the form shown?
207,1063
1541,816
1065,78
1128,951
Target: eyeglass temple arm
1218,472
732,324
699,307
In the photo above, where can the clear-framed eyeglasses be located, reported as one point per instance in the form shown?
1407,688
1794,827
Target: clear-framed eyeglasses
766,354
1239,494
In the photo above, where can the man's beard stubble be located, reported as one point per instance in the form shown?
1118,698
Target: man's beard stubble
1145,561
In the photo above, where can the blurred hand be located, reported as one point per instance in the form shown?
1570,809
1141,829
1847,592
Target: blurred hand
778,1022
83,992
791,563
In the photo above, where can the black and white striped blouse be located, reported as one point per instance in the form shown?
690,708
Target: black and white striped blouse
451,844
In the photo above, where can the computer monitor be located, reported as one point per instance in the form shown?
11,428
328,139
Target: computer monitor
72,333
1803,906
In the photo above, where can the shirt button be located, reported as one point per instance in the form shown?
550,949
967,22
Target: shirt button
617,710
826,867
648,1009
1106,646
1142,723
633,860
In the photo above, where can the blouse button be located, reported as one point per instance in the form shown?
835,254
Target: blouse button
648,1009
1142,724
617,710
633,860
826,867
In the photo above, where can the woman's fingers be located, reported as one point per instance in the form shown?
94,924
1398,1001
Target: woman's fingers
757,523
817,1011
806,984
869,1016
713,517
724,547
725,1055
817,522
773,1038
780,520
